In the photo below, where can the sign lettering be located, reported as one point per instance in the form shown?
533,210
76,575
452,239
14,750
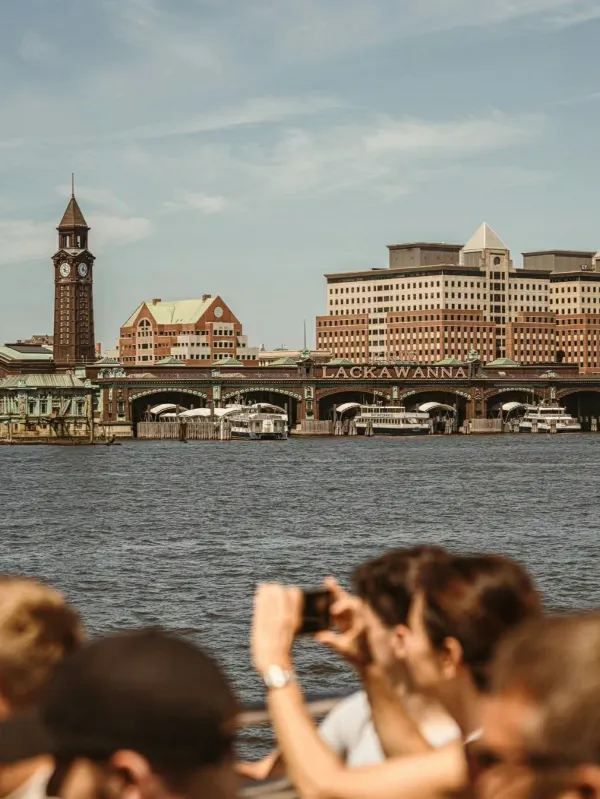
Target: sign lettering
395,372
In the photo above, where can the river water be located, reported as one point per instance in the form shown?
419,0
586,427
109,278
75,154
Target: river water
178,534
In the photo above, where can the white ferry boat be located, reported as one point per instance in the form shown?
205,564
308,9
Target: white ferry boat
258,421
391,420
546,419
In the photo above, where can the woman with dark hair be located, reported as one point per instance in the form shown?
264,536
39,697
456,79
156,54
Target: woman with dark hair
459,613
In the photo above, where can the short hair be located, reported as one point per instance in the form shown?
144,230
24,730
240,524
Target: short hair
37,630
555,662
387,582
477,600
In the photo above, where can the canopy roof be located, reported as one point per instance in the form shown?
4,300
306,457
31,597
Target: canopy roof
512,406
427,407
347,406
162,408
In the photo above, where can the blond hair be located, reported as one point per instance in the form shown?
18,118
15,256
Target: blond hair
37,630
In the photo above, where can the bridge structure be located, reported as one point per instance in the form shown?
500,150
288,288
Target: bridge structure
311,391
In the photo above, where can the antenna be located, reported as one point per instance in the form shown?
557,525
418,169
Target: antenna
72,184
305,334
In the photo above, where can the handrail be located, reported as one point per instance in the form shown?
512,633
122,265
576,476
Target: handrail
258,716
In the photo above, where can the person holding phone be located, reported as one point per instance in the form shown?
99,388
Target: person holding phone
459,613
374,619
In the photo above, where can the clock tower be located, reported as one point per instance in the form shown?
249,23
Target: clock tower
73,283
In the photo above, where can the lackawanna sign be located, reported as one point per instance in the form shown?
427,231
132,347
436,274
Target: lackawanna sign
395,372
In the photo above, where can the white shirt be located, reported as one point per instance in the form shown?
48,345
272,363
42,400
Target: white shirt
348,729
34,787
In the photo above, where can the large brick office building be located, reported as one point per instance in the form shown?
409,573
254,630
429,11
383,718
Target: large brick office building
436,301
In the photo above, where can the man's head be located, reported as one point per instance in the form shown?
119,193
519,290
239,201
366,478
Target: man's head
542,723
386,585
37,630
141,715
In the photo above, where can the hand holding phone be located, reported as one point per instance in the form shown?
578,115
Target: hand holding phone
316,611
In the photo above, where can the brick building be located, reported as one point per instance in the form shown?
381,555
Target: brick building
438,300
189,331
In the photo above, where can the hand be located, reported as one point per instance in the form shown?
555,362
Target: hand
347,614
277,618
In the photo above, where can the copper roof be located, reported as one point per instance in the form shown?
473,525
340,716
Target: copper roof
72,217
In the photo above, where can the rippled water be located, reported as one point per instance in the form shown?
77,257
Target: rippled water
161,532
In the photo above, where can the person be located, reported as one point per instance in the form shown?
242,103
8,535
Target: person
541,723
460,611
138,715
37,630
383,587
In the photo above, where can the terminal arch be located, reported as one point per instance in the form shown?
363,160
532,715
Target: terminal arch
457,399
144,400
583,404
331,398
496,399
290,400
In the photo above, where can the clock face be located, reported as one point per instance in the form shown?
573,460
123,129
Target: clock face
65,269
82,268
218,312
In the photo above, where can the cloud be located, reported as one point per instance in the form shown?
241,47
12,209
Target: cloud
205,203
256,111
115,230
464,136
25,240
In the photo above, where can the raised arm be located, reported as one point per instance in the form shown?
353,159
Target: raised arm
312,767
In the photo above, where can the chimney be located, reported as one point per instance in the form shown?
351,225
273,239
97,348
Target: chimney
205,297
156,300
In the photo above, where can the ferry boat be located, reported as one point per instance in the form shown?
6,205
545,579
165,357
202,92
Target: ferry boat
259,421
391,420
546,419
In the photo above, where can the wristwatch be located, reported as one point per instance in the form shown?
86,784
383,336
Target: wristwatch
277,677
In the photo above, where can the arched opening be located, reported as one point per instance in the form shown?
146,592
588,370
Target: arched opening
583,405
495,402
282,399
330,402
413,400
141,405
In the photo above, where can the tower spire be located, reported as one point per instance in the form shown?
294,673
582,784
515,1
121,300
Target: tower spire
73,185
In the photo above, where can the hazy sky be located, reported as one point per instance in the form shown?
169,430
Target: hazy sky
245,147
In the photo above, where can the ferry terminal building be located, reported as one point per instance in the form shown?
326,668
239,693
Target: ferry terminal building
71,393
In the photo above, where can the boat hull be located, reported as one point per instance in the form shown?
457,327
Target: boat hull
394,431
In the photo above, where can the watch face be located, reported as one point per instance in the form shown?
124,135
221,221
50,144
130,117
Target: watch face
82,268
65,269
218,312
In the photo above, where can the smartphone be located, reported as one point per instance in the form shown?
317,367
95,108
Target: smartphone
316,611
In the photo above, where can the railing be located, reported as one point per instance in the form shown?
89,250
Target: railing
280,787
205,430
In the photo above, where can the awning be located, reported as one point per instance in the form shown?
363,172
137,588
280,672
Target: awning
427,407
512,406
166,406
194,412
347,406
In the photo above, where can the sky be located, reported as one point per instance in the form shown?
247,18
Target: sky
246,147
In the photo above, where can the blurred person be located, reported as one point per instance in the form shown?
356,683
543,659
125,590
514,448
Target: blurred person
541,724
37,630
384,586
460,611
138,715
